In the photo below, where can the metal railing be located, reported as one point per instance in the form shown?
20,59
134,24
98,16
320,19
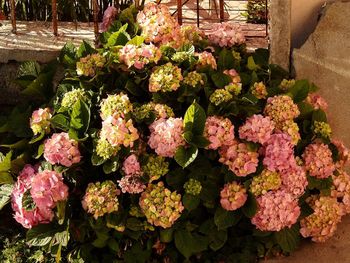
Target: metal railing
222,9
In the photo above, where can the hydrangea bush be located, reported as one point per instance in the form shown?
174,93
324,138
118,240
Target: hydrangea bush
168,144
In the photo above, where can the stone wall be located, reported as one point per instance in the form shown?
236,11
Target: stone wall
325,60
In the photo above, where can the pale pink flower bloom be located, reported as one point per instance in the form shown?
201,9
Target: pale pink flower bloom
233,196
131,166
108,18
40,120
317,101
131,184
118,132
279,153
60,149
28,218
343,152
318,160
226,34
48,188
239,159
257,128
166,136
277,210
322,223
341,191
206,59
294,181
219,131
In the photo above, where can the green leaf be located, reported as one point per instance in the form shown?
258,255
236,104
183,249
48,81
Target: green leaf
188,135
28,202
166,235
61,238
97,160
319,184
60,121
189,244
5,162
190,202
18,122
218,239
80,116
176,178
68,54
300,90
224,219
226,59
251,64
185,156
319,115
250,207
305,109
5,194
288,238
137,41
85,49
194,120
29,68
200,141
111,166
121,37
41,235
101,240
220,79
134,224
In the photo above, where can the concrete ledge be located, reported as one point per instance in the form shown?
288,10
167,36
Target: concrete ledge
35,40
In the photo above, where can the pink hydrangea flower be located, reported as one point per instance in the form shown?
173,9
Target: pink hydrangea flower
28,218
131,165
318,160
322,223
60,149
158,26
219,131
226,34
341,191
233,74
166,136
239,159
206,59
48,188
233,196
277,210
281,108
108,18
40,121
317,101
344,154
294,181
279,153
118,132
139,56
131,184
257,129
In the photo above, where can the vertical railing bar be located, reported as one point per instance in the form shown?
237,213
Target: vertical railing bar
54,18
95,10
198,13
222,12
13,16
266,17
179,11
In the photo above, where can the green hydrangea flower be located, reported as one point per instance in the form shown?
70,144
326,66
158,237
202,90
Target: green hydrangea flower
234,88
155,167
193,79
287,84
71,97
180,57
265,182
220,96
115,104
165,78
322,129
105,150
193,187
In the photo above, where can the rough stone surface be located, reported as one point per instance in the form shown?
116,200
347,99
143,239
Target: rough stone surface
280,32
325,60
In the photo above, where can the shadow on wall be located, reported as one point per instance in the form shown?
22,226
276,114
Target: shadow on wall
305,14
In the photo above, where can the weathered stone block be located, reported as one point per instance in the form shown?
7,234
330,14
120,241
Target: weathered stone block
325,60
